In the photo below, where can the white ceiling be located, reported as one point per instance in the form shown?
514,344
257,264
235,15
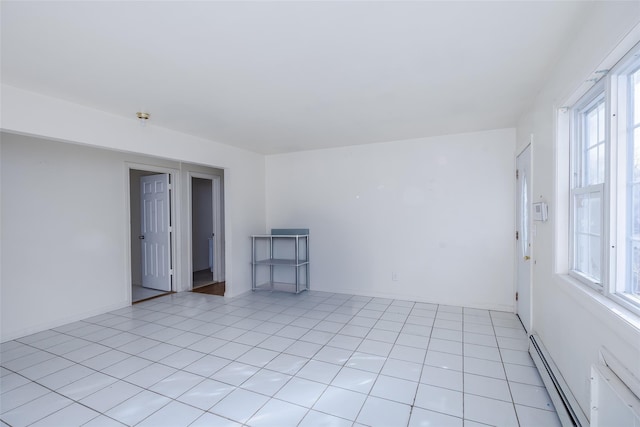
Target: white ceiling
275,77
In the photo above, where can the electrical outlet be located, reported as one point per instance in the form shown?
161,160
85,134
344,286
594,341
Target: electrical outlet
395,276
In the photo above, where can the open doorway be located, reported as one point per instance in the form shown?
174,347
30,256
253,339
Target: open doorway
207,234
151,233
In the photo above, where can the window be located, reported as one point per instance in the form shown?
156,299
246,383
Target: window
605,185
587,193
632,287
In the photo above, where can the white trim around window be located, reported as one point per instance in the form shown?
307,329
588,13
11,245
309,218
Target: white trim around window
604,184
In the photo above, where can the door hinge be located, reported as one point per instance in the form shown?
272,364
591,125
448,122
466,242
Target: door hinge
517,235
516,296
517,174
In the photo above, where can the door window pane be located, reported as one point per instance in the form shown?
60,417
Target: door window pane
525,215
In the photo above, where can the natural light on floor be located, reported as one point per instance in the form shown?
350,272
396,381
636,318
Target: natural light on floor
276,359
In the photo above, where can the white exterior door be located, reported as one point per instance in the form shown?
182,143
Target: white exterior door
156,232
523,238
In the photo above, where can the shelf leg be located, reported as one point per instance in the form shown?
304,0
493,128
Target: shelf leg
297,267
271,265
306,268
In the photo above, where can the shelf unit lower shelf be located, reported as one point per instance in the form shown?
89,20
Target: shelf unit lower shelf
280,262
286,262
278,287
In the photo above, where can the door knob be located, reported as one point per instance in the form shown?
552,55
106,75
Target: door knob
527,257
141,237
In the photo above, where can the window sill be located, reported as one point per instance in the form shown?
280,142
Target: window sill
624,322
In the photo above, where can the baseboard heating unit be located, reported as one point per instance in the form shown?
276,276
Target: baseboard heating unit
567,407
614,394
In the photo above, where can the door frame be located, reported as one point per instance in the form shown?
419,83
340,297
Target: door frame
528,146
217,210
174,212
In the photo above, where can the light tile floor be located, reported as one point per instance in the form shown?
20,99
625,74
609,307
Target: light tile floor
276,360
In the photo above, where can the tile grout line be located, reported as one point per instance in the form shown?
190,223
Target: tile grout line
273,397
505,371
242,310
463,370
95,371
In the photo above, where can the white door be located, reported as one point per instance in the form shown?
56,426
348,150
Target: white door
156,229
523,238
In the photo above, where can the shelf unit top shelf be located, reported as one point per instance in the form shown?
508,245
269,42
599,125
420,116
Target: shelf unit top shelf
279,235
280,261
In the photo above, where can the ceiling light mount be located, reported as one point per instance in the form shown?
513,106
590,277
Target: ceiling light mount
143,118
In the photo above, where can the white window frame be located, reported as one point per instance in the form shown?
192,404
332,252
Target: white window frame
621,109
614,88
593,97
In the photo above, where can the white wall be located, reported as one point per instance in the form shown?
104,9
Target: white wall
573,323
65,295
437,211
63,216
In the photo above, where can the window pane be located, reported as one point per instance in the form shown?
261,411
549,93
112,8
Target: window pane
594,214
592,167
634,215
601,122
582,253
592,128
636,95
633,268
633,285
600,163
592,145
587,229
636,155
582,213
594,257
